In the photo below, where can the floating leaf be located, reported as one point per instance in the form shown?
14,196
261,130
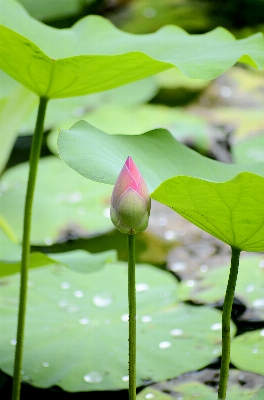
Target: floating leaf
98,156
247,351
64,203
77,329
77,260
231,211
210,286
192,389
94,56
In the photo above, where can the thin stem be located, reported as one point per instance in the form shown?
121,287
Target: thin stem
132,317
226,316
33,166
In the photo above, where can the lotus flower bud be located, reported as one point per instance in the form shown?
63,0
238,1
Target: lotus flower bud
130,202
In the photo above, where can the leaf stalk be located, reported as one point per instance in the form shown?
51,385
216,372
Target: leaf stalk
33,167
132,317
226,316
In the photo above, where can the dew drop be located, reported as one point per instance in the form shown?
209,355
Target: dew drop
65,285
254,351
30,284
258,303
45,364
164,345
176,332
142,287
84,321
250,288
146,318
48,240
149,396
190,283
13,342
93,377
203,268
215,351
106,212
124,317
262,332
125,378
102,300
178,266
169,235
216,327
261,264
78,293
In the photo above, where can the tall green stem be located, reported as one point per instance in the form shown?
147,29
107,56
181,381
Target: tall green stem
132,317
33,166
226,316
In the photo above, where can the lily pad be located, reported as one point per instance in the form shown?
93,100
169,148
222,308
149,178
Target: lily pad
210,287
247,351
94,56
64,203
157,154
231,211
77,260
77,329
192,390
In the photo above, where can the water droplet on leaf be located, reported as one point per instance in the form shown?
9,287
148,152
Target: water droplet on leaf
84,321
142,287
102,300
164,345
93,377
78,293
176,332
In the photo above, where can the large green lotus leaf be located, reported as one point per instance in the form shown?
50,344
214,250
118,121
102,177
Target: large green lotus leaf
231,211
135,120
247,351
210,287
64,202
94,56
158,155
193,390
77,260
76,328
